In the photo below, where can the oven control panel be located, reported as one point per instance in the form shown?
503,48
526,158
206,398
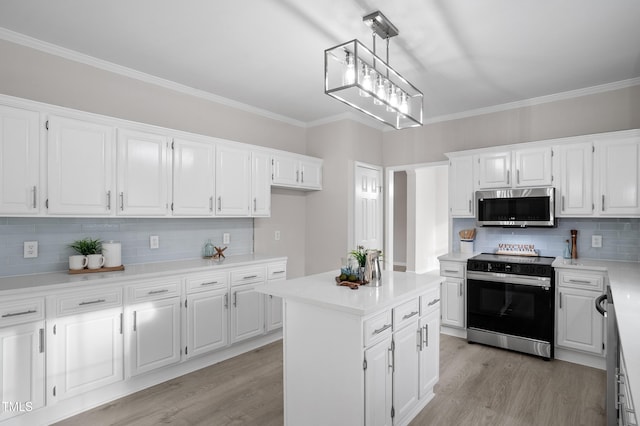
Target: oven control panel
536,270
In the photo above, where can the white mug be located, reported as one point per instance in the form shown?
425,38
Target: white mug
95,261
78,261
111,251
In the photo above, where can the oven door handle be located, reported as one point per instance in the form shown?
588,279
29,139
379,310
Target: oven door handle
599,307
509,279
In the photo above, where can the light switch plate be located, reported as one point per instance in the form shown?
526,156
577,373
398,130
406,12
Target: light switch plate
596,241
154,242
225,238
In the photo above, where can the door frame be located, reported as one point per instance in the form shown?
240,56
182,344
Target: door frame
352,203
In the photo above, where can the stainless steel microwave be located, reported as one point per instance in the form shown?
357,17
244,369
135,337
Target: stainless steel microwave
516,207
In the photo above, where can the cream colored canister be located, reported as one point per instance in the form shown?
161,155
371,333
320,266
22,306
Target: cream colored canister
112,252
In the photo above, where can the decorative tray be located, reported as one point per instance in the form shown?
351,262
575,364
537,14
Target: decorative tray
92,271
353,285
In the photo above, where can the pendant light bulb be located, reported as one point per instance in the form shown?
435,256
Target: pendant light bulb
404,103
350,70
392,98
367,82
381,92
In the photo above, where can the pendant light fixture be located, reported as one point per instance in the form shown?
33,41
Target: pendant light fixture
356,76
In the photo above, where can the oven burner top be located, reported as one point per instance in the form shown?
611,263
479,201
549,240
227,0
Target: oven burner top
518,265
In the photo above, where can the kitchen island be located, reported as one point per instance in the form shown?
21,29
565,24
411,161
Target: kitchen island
359,357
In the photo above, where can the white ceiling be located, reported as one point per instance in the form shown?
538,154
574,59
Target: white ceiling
268,54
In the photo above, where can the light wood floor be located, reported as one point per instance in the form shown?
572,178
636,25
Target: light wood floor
478,386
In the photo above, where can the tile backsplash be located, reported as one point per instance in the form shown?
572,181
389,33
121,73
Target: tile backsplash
620,237
179,239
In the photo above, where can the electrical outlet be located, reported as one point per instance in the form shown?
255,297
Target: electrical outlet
277,235
225,238
30,249
154,242
596,241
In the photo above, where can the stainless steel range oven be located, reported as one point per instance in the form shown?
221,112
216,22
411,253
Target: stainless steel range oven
510,302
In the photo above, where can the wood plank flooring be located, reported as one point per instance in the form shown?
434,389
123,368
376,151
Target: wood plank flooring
478,386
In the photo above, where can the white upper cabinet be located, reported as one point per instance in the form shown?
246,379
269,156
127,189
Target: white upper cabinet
519,168
81,164
19,161
494,170
532,167
193,178
260,184
574,186
233,184
143,174
461,188
618,162
296,171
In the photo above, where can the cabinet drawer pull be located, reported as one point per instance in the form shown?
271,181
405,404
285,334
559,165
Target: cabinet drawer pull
410,315
248,277
15,314
164,290
433,302
278,272
209,283
571,280
91,302
451,271
381,329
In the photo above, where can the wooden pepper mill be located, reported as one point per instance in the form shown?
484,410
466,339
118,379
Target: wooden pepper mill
574,246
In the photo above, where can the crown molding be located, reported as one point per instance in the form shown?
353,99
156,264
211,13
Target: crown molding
357,117
73,55
623,84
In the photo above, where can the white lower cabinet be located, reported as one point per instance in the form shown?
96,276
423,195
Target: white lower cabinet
378,384
247,312
406,359
207,315
453,290
579,325
429,352
22,369
153,331
275,272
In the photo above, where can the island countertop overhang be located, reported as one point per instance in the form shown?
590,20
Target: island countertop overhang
321,290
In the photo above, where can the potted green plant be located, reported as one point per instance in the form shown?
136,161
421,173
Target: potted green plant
87,246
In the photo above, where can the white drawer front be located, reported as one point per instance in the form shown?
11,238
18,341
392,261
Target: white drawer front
155,290
430,301
248,275
197,283
88,301
277,271
377,328
586,281
406,313
452,269
21,311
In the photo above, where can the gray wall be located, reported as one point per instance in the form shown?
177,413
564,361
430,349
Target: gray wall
400,218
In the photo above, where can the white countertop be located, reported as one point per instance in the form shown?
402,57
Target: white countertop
624,280
321,290
15,285
457,256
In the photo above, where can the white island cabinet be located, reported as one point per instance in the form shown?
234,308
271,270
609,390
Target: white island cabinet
358,357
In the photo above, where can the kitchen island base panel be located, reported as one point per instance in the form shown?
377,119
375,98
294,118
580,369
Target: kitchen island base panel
323,367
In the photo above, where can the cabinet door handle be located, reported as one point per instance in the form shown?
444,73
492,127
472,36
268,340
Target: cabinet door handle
135,322
122,201
15,314
563,203
409,315
560,300
470,206
390,355
92,302
426,335
35,196
164,290
297,176
419,331
302,176
41,340
602,202
508,176
518,176
381,329
108,200
460,289
211,203
219,203
254,204
235,298
226,300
